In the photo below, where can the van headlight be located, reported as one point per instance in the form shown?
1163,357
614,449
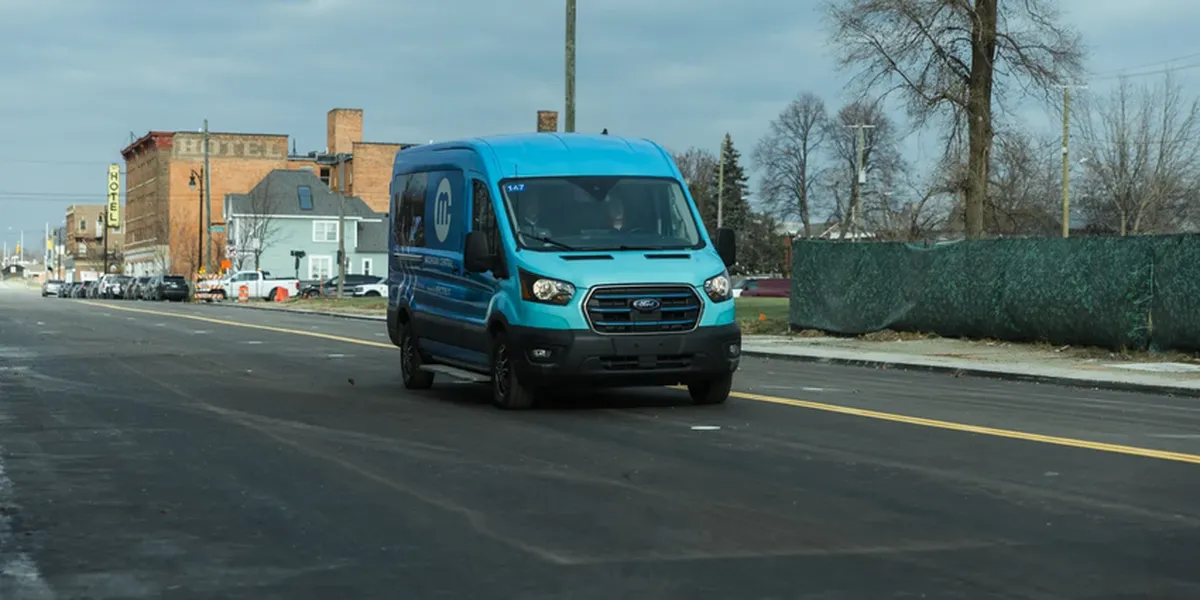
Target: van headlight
719,288
535,288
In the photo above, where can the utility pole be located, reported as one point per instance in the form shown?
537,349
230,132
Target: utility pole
569,120
721,186
207,206
104,228
341,184
860,175
1066,160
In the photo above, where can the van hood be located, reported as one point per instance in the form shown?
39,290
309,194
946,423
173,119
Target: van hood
587,269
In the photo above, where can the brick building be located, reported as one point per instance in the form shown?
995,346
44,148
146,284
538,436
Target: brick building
368,165
83,247
164,232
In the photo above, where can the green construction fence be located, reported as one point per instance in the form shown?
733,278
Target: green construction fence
1133,292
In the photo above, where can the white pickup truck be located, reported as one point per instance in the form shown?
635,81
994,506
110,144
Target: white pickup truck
259,284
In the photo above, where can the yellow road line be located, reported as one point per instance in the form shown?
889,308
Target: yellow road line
324,336
821,406
992,431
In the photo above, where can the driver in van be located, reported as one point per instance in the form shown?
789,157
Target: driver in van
528,218
616,214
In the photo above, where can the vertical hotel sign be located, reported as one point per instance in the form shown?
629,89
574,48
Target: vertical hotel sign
114,196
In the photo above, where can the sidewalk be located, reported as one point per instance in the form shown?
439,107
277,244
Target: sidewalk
1023,362
1003,360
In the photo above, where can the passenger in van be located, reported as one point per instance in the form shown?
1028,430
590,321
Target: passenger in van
616,212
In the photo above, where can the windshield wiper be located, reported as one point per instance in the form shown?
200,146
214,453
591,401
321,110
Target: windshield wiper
624,247
546,240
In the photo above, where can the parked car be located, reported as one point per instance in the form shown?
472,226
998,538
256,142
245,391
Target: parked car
765,288
136,288
328,288
370,290
52,287
167,287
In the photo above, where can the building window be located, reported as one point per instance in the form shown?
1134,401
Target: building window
325,231
320,267
409,222
83,224
304,194
367,264
325,175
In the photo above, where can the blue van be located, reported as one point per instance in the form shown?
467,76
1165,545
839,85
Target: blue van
546,261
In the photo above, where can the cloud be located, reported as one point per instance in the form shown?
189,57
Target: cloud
683,72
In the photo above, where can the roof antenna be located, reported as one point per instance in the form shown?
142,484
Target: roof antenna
605,132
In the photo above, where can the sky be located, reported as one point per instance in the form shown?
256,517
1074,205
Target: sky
81,78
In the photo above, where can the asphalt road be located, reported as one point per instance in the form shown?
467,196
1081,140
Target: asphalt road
163,451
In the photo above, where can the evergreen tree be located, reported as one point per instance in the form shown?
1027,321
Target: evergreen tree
735,205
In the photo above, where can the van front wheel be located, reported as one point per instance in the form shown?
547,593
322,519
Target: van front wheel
410,362
711,391
507,389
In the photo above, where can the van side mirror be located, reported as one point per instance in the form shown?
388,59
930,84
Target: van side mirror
727,246
476,257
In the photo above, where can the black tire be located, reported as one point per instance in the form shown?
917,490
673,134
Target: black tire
272,295
371,294
711,391
410,361
508,391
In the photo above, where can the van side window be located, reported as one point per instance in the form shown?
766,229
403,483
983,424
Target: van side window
394,209
483,216
410,219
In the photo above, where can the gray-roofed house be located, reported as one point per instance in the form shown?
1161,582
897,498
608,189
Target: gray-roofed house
294,210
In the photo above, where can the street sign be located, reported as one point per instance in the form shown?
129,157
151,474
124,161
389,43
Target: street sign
114,196
217,229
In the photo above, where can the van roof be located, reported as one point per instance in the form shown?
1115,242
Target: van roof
559,154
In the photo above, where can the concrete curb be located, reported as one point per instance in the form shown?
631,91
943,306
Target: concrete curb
300,311
1121,386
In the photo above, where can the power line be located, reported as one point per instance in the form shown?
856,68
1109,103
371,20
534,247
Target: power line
1146,65
1145,73
34,161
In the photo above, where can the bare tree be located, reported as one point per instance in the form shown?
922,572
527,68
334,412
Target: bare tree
944,58
1141,150
917,209
786,154
880,159
160,230
699,169
256,228
185,253
1025,185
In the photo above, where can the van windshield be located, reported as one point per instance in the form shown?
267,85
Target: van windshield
600,213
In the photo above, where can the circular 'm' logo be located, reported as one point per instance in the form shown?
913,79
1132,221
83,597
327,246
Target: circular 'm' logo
441,210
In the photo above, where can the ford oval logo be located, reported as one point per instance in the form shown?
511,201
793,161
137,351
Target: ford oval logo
646,304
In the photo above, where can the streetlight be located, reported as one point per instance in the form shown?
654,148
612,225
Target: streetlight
196,180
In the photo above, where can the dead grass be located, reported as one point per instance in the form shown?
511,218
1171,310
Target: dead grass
1123,354
887,335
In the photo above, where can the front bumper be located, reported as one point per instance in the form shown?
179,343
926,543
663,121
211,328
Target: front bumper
546,357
